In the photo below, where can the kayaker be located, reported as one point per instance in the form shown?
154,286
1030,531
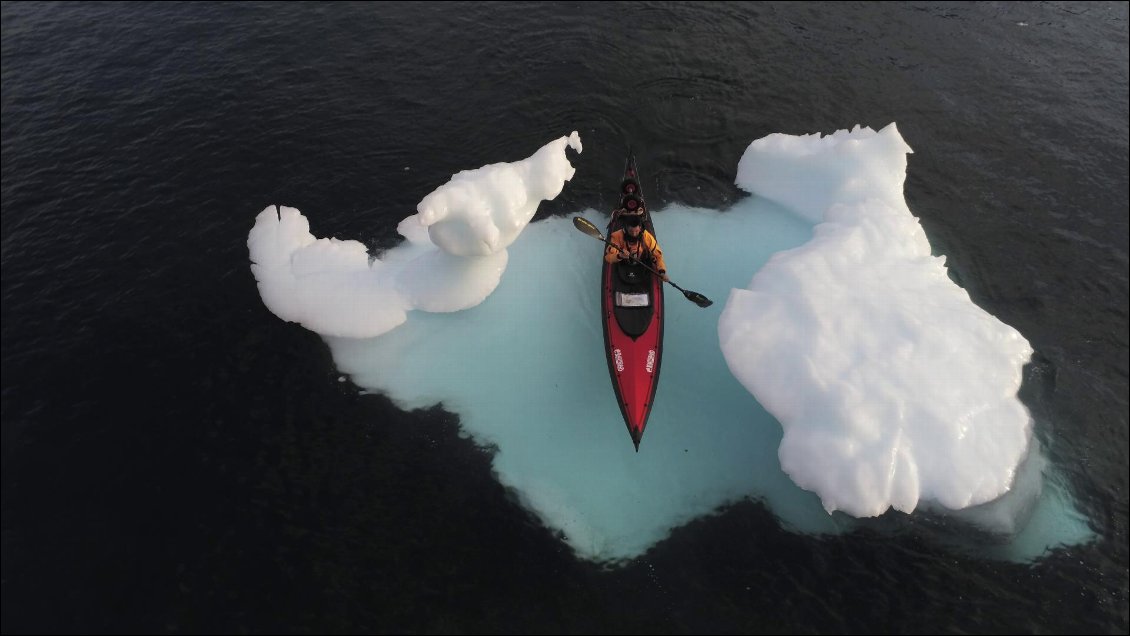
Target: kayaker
635,241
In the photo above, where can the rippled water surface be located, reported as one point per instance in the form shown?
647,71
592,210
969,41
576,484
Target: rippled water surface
177,459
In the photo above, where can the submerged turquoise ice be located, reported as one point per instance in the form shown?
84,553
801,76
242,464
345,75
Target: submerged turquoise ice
525,372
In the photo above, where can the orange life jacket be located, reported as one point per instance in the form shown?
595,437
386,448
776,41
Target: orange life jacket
647,245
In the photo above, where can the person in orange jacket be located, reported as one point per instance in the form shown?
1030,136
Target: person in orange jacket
635,241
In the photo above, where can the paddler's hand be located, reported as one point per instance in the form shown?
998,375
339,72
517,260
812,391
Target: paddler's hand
621,256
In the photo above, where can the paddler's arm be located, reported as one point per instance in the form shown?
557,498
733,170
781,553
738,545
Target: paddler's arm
612,252
657,253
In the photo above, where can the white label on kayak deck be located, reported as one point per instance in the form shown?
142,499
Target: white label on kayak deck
650,360
619,359
631,300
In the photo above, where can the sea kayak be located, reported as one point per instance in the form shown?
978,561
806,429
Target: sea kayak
632,313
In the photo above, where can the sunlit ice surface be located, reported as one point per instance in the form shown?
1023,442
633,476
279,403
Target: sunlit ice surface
497,320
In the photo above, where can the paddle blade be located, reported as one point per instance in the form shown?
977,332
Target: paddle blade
698,299
588,228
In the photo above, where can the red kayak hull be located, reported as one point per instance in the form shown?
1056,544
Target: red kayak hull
633,363
634,355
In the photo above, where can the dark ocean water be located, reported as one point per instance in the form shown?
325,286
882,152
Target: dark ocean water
177,459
